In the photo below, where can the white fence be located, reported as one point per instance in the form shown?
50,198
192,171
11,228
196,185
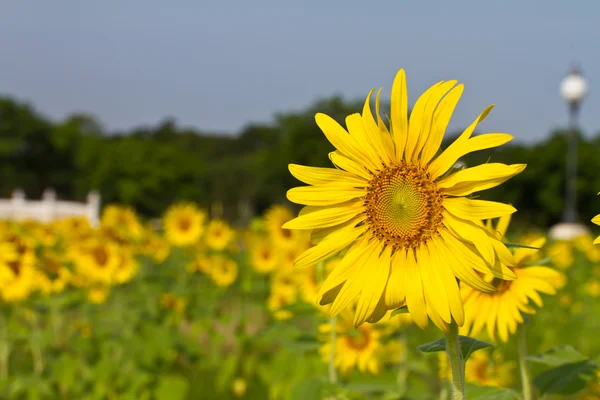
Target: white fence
48,208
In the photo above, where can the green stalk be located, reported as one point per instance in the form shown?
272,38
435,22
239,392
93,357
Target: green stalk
402,376
456,362
332,371
524,368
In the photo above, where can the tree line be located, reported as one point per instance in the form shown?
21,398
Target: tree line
149,168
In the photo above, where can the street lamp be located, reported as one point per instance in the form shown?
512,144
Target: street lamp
573,89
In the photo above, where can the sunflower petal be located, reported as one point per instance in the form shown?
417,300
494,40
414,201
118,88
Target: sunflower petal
399,113
415,298
441,118
323,217
459,148
322,176
373,286
395,293
325,195
331,245
342,140
481,177
346,164
476,210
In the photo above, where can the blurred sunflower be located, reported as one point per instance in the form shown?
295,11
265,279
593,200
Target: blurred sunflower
183,224
97,261
18,278
263,257
484,369
277,300
172,302
359,347
561,253
53,275
223,271
121,222
74,227
501,311
274,218
127,268
401,214
97,294
218,234
17,267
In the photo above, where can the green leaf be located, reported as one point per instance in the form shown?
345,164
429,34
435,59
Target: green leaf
171,387
521,246
401,310
467,346
308,389
490,393
558,356
567,378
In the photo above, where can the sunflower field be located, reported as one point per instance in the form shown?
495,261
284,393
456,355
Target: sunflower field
198,309
393,281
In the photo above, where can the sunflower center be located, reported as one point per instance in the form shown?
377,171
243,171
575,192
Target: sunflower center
501,285
185,224
100,255
404,206
359,340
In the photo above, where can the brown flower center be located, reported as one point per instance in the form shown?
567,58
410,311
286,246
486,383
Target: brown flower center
404,206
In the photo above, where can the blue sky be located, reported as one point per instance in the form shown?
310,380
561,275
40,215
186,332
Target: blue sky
219,65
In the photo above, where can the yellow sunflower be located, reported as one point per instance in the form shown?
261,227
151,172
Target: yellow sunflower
18,278
218,234
183,224
53,275
122,222
359,347
263,257
97,261
596,220
501,311
485,369
282,238
223,271
400,213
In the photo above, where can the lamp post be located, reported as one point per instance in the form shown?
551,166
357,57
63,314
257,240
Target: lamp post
573,89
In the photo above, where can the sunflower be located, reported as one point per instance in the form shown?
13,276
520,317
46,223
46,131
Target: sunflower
282,238
53,275
487,369
218,234
18,278
501,311
401,214
97,261
223,271
121,222
359,347
183,224
263,257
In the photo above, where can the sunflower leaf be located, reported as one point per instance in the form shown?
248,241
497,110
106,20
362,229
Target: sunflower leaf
467,344
490,393
567,378
558,356
521,246
401,310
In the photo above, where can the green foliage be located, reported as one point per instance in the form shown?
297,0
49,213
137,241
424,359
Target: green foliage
467,344
566,378
150,167
558,355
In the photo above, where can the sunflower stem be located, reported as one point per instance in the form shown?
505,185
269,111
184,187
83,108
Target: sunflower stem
456,362
402,376
332,371
525,375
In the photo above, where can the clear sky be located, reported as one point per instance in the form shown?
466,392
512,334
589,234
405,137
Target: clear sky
217,65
